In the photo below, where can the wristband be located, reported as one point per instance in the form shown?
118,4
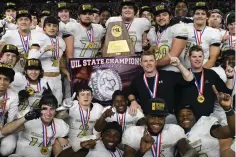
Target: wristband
231,77
139,154
230,112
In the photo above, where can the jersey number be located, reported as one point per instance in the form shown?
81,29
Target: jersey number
87,45
34,141
161,51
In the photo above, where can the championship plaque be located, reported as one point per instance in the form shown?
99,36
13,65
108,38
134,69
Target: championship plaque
117,41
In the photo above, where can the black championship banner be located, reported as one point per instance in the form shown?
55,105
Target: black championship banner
104,75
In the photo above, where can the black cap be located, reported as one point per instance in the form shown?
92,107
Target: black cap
23,13
183,1
33,64
144,8
157,107
105,8
229,52
85,8
161,8
34,12
114,126
128,3
6,70
51,19
200,5
230,18
10,5
96,10
45,12
216,11
181,107
62,5
10,48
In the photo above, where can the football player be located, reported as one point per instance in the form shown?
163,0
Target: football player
146,12
96,16
48,47
87,35
156,138
105,14
20,37
136,27
9,55
42,16
38,129
8,107
203,134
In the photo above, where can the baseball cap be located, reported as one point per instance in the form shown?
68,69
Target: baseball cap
113,125
10,5
230,18
10,48
23,13
96,10
157,107
161,8
45,12
33,64
184,1
6,70
62,5
128,3
85,8
145,8
200,5
229,52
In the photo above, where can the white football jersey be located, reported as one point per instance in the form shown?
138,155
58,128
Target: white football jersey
64,26
86,42
11,106
30,139
201,140
22,43
170,135
21,83
47,58
135,29
8,25
206,37
101,151
75,122
163,41
229,43
125,118
40,29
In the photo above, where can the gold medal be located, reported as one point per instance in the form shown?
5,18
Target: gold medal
83,133
200,99
55,63
44,150
91,45
30,90
26,55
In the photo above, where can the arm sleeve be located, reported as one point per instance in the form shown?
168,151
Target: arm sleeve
179,31
219,83
215,38
12,112
38,39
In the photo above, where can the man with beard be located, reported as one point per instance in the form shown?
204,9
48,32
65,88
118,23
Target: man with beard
20,37
156,138
136,27
87,35
8,108
105,146
105,14
200,34
9,55
38,129
10,17
119,112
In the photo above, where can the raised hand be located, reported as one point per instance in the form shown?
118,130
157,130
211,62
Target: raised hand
174,61
67,103
229,71
225,100
108,113
146,141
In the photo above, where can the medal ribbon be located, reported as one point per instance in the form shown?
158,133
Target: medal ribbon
156,149
198,39
128,25
5,96
45,134
158,37
113,153
90,34
200,87
55,55
230,41
24,43
121,120
84,120
38,86
154,93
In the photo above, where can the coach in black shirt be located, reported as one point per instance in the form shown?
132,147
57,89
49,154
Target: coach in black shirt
201,95
153,83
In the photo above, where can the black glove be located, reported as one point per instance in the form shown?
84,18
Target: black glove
36,113
23,94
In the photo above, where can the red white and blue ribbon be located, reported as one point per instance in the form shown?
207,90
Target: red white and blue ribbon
83,119
25,44
230,41
156,147
56,54
158,37
198,38
47,141
200,87
114,155
38,86
5,96
90,34
128,25
154,93
121,120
